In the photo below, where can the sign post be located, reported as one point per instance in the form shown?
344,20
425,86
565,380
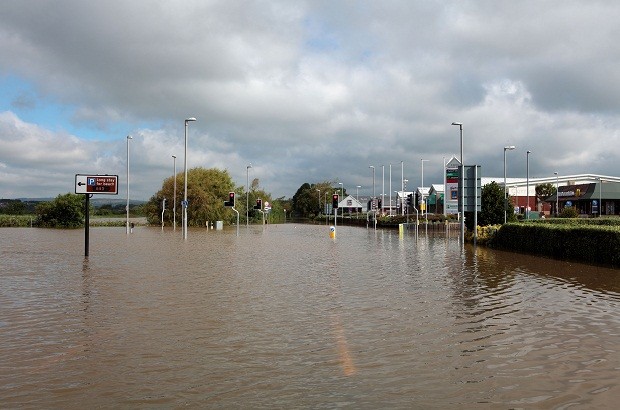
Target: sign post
93,184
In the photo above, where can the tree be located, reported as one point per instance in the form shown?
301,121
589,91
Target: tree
544,191
308,201
207,189
12,207
66,211
492,206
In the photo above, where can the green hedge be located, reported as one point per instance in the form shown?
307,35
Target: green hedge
16,221
588,243
576,221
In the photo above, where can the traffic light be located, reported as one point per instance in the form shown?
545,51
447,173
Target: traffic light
259,204
231,200
409,199
335,201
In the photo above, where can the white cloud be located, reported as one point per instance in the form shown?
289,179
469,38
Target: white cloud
309,91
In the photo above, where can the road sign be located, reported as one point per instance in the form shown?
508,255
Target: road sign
96,184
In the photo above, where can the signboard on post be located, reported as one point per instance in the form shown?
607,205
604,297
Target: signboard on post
473,189
96,184
451,197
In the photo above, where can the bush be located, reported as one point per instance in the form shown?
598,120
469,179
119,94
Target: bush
66,211
485,234
569,212
15,221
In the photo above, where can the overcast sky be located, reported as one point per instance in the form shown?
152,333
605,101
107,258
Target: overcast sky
305,91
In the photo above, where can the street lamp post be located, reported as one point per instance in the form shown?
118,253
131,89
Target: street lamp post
319,191
373,182
557,195
402,187
382,187
127,206
390,190
600,197
527,170
357,198
185,204
443,172
462,210
422,191
174,194
507,148
341,198
247,194
325,205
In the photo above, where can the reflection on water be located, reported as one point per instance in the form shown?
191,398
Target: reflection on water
285,317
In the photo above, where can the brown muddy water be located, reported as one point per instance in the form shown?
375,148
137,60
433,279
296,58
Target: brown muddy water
285,317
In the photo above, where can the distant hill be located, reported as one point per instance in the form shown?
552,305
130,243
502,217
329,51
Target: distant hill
96,202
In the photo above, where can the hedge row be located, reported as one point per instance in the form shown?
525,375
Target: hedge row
16,221
576,221
579,242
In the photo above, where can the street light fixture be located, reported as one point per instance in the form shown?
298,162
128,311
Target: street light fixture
185,204
247,194
127,220
507,148
174,195
527,170
462,210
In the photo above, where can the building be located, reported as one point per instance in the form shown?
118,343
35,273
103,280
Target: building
586,188
350,205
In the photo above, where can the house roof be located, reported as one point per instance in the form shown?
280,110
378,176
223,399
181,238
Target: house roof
581,192
346,204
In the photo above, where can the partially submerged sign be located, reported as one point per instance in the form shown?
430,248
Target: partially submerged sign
96,184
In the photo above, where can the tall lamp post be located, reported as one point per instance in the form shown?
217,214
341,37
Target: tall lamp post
600,197
247,194
557,195
462,210
319,191
382,187
185,204
127,206
325,205
341,198
402,187
390,190
507,148
527,171
174,194
373,183
422,191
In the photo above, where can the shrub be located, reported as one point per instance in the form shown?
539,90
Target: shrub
569,212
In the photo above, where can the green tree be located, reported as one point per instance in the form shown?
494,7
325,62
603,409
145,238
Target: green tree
544,191
493,205
207,189
309,199
66,211
13,207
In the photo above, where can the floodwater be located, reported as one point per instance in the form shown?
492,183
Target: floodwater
282,316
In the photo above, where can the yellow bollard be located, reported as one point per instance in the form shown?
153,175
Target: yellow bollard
332,232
